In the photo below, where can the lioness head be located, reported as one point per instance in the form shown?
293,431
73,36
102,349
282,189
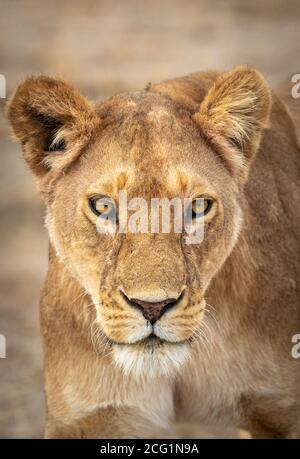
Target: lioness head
148,287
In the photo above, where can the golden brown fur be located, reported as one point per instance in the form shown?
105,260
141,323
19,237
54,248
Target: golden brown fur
226,355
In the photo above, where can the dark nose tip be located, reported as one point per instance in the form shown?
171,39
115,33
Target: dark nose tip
152,311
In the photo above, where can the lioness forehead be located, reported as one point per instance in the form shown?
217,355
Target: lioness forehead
142,116
147,141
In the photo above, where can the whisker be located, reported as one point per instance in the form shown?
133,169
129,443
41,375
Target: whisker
79,296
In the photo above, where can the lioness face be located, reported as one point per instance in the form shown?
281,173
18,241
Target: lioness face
148,288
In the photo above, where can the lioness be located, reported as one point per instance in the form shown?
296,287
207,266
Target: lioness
141,329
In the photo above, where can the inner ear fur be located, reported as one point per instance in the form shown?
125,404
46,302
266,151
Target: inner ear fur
234,113
51,119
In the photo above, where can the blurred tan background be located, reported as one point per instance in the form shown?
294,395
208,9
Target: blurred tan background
103,47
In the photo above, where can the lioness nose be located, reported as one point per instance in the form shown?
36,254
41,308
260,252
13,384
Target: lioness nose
152,311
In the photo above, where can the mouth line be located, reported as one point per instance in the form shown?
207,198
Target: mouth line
153,340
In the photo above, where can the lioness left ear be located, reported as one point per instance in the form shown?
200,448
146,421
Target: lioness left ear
52,120
233,115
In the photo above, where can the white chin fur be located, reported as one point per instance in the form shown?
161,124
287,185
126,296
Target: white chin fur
142,360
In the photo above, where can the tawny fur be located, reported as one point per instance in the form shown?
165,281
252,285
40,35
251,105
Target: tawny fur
228,362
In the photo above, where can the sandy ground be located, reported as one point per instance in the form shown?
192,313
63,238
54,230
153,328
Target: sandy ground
103,47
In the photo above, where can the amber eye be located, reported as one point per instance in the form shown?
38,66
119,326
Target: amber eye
102,206
201,206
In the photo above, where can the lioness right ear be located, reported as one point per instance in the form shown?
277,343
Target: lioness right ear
52,120
233,115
